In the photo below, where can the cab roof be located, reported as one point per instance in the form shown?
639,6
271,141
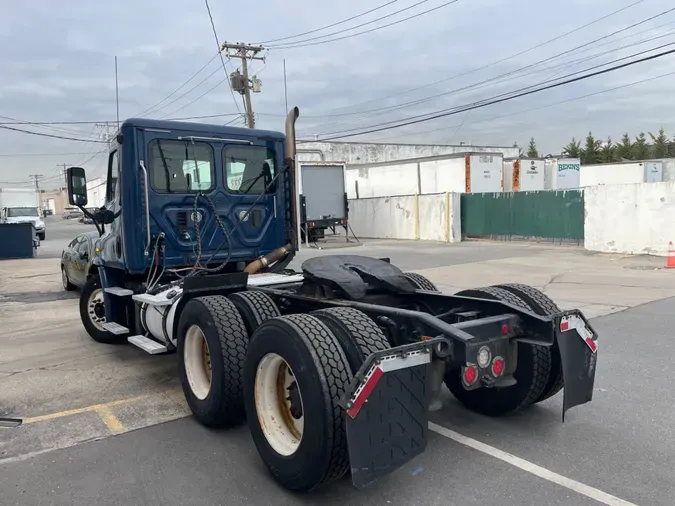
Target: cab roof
203,128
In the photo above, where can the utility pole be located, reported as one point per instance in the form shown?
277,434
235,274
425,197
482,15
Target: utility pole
106,134
36,178
240,82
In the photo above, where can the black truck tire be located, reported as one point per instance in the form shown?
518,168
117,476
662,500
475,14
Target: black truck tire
532,372
543,305
254,308
213,392
92,313
358,335
302,344
420,282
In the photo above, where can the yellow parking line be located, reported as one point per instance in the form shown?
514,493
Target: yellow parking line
70,412
113,423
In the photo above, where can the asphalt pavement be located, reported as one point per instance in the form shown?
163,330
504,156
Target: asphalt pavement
108,425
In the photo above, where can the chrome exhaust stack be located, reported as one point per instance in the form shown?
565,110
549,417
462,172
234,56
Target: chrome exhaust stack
291,118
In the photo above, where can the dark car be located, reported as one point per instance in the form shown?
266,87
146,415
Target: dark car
76,260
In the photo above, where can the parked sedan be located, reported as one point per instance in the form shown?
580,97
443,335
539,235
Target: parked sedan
76,260
70,213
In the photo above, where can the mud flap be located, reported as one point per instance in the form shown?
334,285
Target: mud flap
578,344
386,415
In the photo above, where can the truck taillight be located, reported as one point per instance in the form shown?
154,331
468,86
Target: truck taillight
497,366
470,375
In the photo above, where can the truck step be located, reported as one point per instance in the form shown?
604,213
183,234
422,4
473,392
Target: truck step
148,345
119,291
115,328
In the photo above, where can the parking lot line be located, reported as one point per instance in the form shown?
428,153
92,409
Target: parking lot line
113,423
539,471
96,407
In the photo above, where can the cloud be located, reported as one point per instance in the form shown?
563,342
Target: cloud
57,64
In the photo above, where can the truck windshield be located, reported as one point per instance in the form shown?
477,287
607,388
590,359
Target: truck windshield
15,212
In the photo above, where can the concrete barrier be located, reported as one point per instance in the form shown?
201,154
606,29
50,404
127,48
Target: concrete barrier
630,218
434,217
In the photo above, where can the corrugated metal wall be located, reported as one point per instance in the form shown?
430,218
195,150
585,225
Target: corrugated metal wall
555,215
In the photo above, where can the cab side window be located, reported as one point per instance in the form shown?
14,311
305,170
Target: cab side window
113,175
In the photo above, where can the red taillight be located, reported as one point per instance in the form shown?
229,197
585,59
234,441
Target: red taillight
470,374
505,329
497,367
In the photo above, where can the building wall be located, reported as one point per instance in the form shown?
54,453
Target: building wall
630,218
363,152
60,200
425,217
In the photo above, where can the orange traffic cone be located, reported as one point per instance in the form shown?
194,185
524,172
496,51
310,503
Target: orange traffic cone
670,261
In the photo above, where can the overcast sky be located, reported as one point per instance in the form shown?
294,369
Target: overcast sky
57,64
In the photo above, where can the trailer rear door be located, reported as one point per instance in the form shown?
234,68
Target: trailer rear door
323,186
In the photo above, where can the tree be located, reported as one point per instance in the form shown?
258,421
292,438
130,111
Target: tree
608,152
573,149
532,149
640,147
660,144
591,152
625,149
671,147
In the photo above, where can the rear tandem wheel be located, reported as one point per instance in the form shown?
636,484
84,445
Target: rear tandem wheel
543,305
295,420
532,372
211,344
420,282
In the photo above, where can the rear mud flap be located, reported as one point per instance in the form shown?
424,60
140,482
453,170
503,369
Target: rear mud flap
578,344
387,423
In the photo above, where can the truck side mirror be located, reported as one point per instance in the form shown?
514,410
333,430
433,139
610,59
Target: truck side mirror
77,186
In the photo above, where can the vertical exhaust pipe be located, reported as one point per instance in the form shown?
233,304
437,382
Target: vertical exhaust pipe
291,118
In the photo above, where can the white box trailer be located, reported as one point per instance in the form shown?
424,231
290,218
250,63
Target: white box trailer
647,171
323,197
454,173
524,174
562,173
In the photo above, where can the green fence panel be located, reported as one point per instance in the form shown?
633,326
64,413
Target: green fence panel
528,215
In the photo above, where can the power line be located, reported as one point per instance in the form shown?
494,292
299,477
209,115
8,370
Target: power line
41,134
496,62
189,91
634,83
180,87
501,76
66,131
352,28
331,25
26,155
196,99
504,78
494,100
298,44
220,53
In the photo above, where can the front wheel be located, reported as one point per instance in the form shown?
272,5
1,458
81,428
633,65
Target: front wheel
92,312
42,236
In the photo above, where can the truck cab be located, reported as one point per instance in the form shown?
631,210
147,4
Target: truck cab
184,199
191,192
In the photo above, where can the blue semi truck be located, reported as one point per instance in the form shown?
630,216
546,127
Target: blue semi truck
334,366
